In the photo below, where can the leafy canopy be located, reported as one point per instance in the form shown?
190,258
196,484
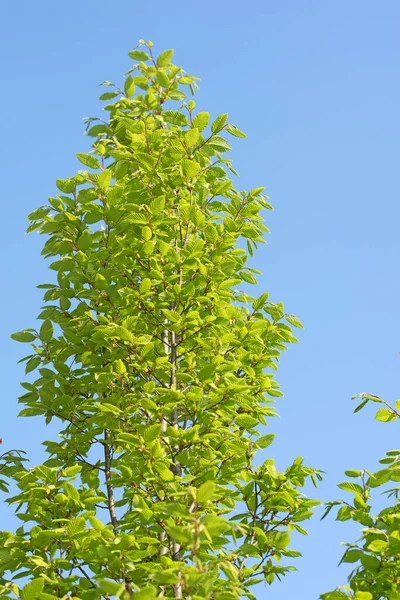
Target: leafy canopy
158,367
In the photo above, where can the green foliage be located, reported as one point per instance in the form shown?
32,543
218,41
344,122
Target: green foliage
158,366
376,556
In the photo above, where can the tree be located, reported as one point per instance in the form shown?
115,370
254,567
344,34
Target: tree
158,366
376,555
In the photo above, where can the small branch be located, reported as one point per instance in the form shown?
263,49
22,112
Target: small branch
110,490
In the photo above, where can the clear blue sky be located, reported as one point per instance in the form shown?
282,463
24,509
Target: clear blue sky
315,84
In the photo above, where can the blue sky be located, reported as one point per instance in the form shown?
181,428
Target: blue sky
315,85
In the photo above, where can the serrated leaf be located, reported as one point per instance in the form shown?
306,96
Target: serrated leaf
246,421
88,160
349,486
157,205
192,137
119,367
165,58
146,233
205,492
219,123
190,168
151,433
32,589
200,121
148,248
175,117
104,178
76,526
211,233
265,440
218,143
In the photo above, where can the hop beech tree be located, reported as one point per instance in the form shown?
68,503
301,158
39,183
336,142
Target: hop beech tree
158,367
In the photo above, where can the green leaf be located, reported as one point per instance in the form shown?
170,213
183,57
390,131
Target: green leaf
88,160
385,415
66,185
32,589
248,277
111,587
146,233
165,58
104,179
360,406
46,331
23,336
246,421
219,144
76,526
371,563
380,477
148,593
352,473
139,55
349,486
261,301
205,492
219,123
192,137
175,117
145,285
281,539
85,240
233,130
378,546
151,433
100,282
157,205
265,440
200,121
129,86
32,364
162,79
109,95
119,367
351,556
148,248
190,168
96,523
293,320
